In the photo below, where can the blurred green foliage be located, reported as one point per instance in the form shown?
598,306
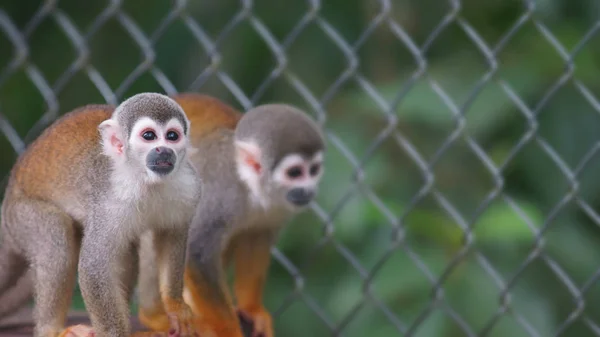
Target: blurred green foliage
414,254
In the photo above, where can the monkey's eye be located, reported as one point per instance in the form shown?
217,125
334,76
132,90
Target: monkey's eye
149,135
172,136
314,169
294,172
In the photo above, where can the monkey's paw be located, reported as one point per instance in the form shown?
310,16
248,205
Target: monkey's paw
78,330
217,327
154,321
182,322
260,320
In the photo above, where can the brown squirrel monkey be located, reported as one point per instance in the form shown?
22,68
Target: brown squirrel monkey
259,169
78,200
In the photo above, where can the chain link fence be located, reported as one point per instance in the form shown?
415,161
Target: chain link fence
461,188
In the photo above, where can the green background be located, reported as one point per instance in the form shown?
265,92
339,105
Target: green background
448,243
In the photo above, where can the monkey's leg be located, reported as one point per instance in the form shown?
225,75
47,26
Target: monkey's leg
129,275
206,287
52,246
151,311
212,304
107,287
101,263
252,256
171,255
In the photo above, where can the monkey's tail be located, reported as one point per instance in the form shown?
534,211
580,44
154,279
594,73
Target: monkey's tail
15,283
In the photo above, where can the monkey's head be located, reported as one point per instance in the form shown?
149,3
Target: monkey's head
279,155
148,133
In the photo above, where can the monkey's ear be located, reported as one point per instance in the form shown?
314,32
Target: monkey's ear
112,140
248,157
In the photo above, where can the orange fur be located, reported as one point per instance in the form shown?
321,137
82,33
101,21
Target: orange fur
155,320
211,316
47,172
252,257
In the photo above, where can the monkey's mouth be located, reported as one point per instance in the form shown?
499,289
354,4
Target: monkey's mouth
163,163
161,167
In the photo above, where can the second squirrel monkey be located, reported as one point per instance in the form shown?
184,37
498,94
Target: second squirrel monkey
259,169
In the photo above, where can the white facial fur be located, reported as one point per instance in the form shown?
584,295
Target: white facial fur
306,179
141,147
168,204
270,191
137,148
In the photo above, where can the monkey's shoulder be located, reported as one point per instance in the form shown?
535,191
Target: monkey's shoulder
70,143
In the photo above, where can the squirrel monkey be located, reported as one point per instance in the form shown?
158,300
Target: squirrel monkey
79,198
259,169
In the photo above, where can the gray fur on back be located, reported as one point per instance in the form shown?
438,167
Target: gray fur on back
221,183
280,129
225,196
158,107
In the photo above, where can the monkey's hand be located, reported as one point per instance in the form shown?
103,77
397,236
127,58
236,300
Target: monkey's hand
209,324
79,330
155,321
260,320
181,319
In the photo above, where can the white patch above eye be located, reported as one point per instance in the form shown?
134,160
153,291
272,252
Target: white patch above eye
142,124
280,172
174,124
160,131
317,158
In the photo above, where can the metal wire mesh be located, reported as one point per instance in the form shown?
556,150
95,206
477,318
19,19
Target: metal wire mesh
113,13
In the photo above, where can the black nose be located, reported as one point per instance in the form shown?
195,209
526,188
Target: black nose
300,196
161,160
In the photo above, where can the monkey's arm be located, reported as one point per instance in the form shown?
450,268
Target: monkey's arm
170,252
205,281
100,257
252,256
151,312
106,283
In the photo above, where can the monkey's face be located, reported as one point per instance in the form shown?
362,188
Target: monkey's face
292,184
158,148
296,180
